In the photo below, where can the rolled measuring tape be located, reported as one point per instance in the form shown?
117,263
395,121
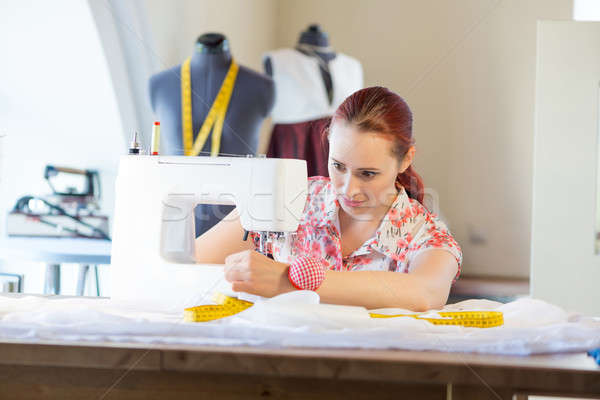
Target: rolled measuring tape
227,306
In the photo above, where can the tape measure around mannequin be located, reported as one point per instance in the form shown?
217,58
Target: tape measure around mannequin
214,119
227,306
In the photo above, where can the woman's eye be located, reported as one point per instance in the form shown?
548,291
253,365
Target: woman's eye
368,174
338,166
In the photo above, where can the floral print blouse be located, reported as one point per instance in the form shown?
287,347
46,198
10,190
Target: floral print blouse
407,230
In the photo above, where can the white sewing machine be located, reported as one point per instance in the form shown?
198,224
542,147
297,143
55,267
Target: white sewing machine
152,261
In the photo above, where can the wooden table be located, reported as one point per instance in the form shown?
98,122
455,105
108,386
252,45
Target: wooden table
136,371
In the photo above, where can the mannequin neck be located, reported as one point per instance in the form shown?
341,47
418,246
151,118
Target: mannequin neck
205,59
314,36
315,41
212,50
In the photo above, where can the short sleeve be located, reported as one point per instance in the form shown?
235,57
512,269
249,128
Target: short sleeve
434,234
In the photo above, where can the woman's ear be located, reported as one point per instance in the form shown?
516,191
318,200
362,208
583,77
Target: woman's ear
408,159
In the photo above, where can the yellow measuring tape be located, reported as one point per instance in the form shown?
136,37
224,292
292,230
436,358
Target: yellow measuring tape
474,319
227,306
215,116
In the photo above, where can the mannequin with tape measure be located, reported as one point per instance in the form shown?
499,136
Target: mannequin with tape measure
210,105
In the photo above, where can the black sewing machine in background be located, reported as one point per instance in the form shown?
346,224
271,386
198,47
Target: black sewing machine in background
72,210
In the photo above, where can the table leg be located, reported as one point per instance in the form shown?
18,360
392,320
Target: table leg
97,280
81,278
19,279
52,285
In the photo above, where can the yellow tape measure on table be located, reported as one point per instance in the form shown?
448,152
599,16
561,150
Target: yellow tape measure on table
214,119
227,306
472,319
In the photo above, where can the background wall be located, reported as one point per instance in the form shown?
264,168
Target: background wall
467,69
250,27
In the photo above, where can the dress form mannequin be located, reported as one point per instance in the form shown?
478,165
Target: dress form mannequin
251,101
311,81
313,42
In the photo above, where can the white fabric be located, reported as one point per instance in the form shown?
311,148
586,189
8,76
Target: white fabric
297,319
300,93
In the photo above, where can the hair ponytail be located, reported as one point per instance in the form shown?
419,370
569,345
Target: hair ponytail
412,183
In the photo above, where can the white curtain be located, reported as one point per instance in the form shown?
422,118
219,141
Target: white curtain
129,49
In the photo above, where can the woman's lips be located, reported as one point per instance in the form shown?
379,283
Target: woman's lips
351,203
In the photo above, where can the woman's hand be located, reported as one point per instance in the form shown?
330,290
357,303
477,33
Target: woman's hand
251,272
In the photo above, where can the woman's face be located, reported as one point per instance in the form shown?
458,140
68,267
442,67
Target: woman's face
363,169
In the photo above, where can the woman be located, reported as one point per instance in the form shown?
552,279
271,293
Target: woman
366,225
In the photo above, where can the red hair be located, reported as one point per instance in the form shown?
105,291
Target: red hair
377,109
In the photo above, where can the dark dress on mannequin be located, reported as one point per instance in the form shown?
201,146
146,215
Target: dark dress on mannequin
301,134
251,101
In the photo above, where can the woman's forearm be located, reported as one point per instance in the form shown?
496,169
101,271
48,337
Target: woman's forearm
374,289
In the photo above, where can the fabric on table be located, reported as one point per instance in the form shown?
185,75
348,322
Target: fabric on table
297,319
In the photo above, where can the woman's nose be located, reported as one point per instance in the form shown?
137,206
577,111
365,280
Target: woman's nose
351,187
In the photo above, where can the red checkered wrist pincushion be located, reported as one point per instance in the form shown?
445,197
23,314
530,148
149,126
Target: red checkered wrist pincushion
306,273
